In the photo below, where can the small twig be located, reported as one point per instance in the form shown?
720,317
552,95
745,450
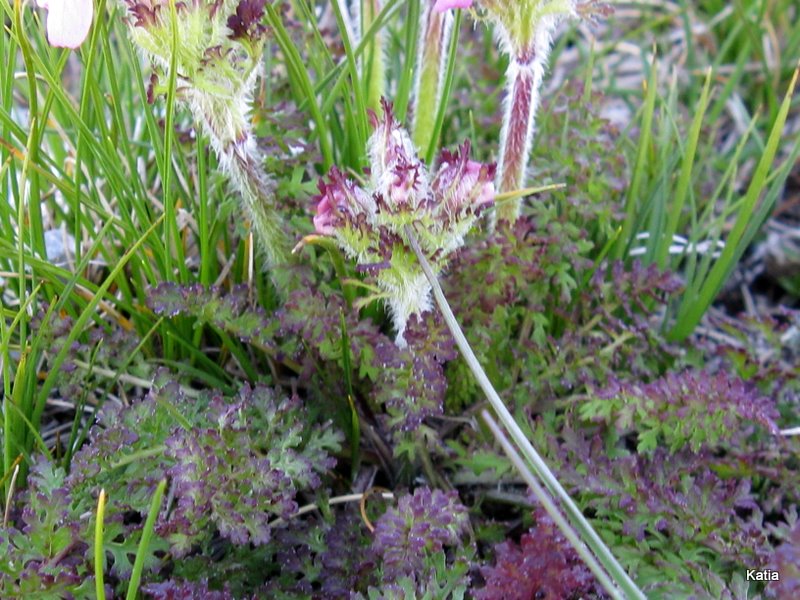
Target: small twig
331,502
362,505
63,554
124,377
10,471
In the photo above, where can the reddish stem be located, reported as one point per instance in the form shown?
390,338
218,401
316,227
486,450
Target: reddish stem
524,78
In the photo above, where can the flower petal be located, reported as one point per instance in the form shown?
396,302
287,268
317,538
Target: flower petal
68,21
443,5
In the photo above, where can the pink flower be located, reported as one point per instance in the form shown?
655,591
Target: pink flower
341,201
369,223
324,218
68,21
443,5
397,172
463,185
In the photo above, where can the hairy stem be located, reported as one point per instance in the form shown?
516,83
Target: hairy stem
434,33
258,194
231,137
524,78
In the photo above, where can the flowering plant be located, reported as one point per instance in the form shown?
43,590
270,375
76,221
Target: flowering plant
368,222
217,47
217,52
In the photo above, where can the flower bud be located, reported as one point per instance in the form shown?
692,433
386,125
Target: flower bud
68,21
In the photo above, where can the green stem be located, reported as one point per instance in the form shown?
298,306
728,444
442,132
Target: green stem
434,33
144,542
373,63
541,469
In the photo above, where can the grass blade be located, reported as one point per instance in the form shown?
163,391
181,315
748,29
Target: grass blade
740,236
99,552
144,543
632,200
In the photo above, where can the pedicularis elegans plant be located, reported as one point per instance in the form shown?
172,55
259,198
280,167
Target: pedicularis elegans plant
209,52
369,222
177,423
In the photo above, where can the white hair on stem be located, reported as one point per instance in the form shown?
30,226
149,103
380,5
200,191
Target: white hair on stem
435,29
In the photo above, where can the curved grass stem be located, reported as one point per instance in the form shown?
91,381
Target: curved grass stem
624,586
547,501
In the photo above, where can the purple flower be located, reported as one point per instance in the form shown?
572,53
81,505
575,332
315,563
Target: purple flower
246,21
397,171
339,201
463,183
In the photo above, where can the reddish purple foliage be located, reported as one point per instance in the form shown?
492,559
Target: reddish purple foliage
229,311
543,566
409,382
43,548
422,524
786,561
184,590
543,312
661,505
235,463
691,408
321,559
